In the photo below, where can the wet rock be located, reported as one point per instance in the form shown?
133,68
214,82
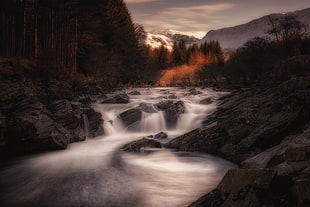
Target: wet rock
213,198
193,92
117,99
161,135
131,116
69,118
243,187
95,123
172,111
140,145
31,128
294,148
206,101
173,96
207,140
135,93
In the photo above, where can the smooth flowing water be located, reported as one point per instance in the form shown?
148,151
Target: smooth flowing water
96,173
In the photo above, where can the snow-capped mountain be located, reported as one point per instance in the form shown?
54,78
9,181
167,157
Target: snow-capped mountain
157,38
231,38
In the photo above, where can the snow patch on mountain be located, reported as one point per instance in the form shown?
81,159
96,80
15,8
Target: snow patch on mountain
231,38
157,38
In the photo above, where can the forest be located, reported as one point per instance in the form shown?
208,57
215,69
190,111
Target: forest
96,41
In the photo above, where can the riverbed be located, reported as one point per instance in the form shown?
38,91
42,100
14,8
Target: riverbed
97,172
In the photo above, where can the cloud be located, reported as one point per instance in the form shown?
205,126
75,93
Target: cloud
137,1
192,18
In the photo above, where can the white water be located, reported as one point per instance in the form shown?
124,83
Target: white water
97,173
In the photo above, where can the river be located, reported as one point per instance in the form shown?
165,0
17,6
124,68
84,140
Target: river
97,173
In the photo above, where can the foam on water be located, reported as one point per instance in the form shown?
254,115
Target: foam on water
97,173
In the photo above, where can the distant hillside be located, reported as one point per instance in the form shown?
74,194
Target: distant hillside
157,38
232,38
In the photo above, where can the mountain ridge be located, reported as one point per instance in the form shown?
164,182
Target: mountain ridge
231,38
166,37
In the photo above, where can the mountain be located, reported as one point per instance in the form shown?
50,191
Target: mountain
231,38
157,38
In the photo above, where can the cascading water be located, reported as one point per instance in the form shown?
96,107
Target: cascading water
97,173
86,125
153,122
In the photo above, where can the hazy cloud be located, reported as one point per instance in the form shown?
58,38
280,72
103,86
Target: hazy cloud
137,1
202,15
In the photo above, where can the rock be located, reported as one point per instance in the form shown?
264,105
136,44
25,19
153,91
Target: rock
117,99
206,101
135,93
294,148
131,116
95,123
139,145
208,140
193,92
70,119
173,96
213,198
2,130
243,187
161,135
301,191
172,111
31,129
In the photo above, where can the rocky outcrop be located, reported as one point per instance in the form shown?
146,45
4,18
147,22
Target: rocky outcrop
160,136
251,122
131,116
31,128
266,132
172,111
34,119
141,145
206,101
95,122
247,187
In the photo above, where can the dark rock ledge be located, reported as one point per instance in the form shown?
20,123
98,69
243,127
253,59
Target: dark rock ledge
37,116
267,133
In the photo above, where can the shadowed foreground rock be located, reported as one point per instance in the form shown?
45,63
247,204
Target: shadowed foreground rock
244,187
259,129
33,120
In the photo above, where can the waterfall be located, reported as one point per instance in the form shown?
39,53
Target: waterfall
153,122
113,127
86,125
97,173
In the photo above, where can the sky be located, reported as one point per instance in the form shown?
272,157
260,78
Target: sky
200,16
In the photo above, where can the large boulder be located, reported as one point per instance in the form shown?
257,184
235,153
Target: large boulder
172,111
243,187
134,115
70,117
31,128
207,140
140,145
95,123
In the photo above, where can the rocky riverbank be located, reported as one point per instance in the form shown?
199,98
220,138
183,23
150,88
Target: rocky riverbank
39,114
267,133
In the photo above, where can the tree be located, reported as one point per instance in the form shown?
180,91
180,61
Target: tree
179,53
286,30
